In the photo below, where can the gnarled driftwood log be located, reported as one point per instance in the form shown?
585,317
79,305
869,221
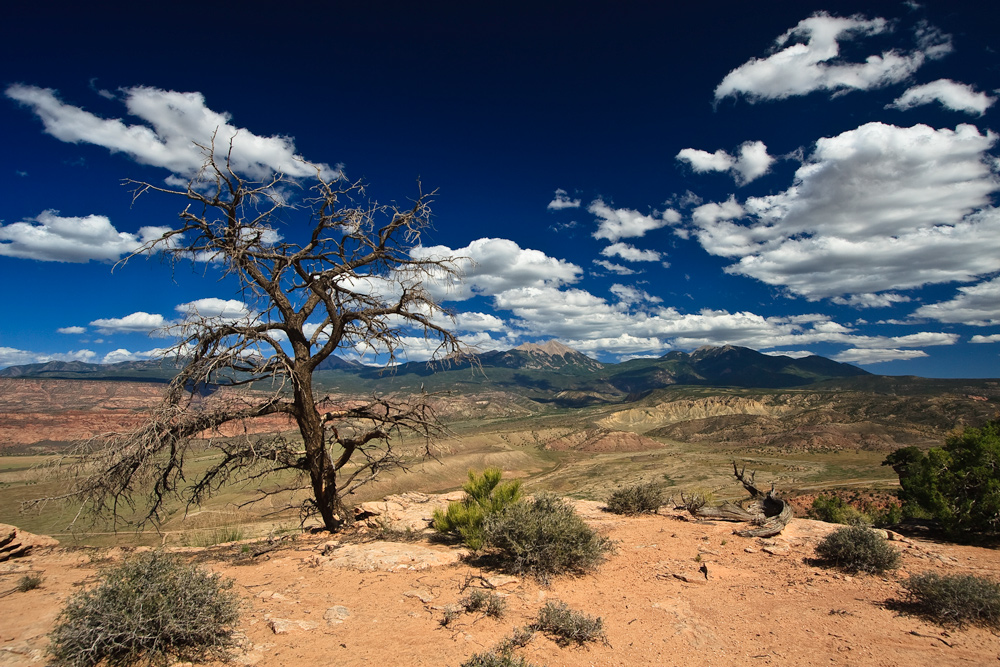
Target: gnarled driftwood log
766,511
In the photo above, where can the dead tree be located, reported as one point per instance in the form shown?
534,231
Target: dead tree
766,511
351,283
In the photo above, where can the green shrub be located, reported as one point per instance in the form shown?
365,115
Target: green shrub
151,608
487,602
484,495
955,599
889,515
502,655
544,536
496,658
28,582
957,484
636,499
833,509
519,638
567,625
858,549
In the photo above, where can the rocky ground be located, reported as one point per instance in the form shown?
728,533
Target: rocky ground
368,599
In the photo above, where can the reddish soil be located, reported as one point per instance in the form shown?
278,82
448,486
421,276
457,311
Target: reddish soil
763,603
33,411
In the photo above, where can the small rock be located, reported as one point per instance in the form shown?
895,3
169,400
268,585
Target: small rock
775,551
336,614
422,595
750,550
501,580
689,579
282,626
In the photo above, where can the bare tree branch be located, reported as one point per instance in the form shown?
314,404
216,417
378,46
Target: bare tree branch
352,285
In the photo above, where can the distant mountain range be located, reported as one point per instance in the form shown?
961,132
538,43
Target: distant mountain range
548,371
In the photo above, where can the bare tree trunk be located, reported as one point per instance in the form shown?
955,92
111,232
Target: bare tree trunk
322,473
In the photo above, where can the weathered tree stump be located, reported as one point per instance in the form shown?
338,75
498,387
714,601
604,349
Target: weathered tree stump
767,512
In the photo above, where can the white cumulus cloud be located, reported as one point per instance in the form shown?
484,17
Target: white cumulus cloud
212,308
172,122
976,305
874,209
992,338
623,223
138,322
51,237
950,94
490,266
121,354
630,253
869,300
615,268
877,356
10,356
751,163
810,61
562,200
71,330
628,294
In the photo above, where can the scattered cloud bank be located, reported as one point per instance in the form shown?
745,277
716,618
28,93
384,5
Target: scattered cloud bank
173,123
809,60
975,305
879,208
950,94
51,237
10,356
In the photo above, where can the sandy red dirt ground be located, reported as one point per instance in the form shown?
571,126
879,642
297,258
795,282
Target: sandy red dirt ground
763,603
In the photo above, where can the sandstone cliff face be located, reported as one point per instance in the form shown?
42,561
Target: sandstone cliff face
36,413
56,411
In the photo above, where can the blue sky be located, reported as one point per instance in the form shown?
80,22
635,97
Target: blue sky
630,178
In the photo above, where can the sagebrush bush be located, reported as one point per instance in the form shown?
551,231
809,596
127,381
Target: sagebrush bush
544,536
152,609
485,495
496,658
858,549
636,499
567,625
954,599
28,582
487,602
